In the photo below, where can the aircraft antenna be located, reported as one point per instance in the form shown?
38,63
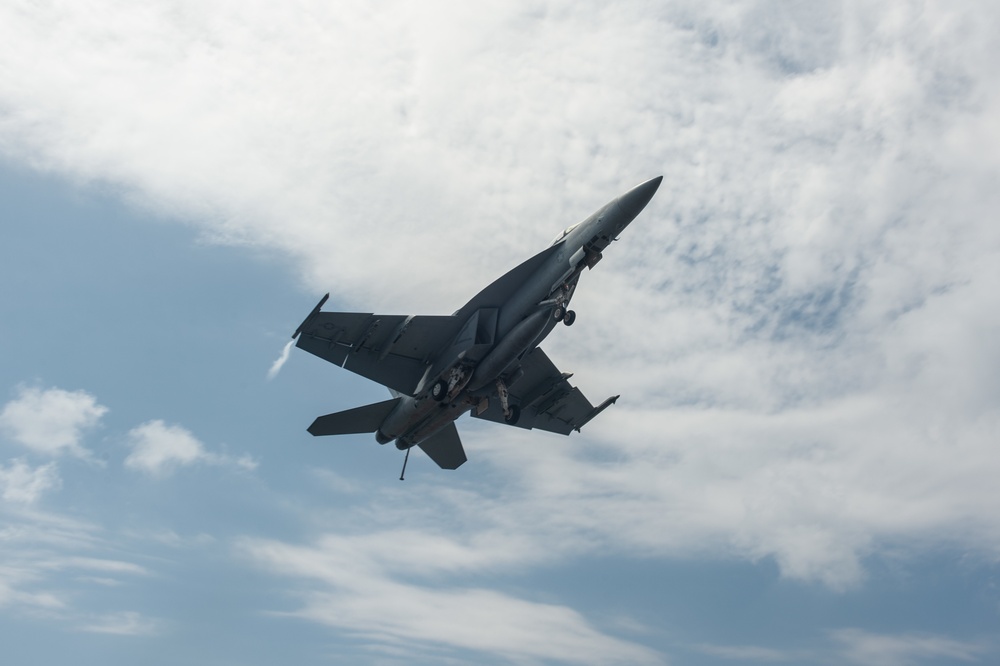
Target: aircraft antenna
407,457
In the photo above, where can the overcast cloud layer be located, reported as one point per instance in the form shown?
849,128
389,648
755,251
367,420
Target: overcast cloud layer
803,322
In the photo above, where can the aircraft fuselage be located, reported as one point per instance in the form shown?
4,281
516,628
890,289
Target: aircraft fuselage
468,376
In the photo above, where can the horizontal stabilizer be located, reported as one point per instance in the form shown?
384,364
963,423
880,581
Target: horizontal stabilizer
353,421
445,447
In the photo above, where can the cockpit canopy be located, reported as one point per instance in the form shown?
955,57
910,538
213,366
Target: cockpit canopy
565,232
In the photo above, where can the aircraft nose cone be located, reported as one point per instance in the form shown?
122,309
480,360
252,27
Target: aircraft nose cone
632,202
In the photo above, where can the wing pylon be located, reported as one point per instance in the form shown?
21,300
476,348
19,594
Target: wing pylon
545,398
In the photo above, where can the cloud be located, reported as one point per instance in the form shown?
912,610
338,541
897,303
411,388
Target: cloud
158,449
857,646
171,539
128,623
32,601
22,483
802,323
748,653
362,596
106,566
51,421
817,489
39,548
870,649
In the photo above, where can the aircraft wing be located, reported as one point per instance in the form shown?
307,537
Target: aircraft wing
546,399
393,350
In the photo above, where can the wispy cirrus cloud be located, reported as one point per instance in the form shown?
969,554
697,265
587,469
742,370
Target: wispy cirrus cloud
43,551
865,648
127,623
750,653
873,649
365,596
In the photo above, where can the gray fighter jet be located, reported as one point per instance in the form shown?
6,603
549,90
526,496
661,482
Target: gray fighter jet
484,358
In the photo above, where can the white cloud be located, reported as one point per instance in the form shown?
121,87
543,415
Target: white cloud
102,565
817,489
38,548
802,324
51,421
362,596
127,623
12,593
749,653
870,649
25,484
857,646
158,449
172,539
338,483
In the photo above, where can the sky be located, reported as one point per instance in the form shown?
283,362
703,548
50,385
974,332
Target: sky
802,325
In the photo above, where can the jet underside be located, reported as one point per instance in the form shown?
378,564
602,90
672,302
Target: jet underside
482,359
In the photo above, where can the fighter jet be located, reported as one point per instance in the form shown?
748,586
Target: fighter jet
484,358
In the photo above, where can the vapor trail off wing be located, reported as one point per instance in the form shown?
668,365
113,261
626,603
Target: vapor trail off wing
546,399
392,350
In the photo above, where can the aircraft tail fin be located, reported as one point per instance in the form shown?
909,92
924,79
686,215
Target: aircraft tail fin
445,448
353,421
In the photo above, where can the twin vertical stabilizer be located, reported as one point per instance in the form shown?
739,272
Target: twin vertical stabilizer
443,447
